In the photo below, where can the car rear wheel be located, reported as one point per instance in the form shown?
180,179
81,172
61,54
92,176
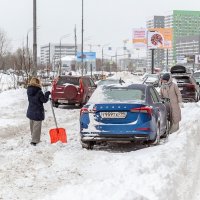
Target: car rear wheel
166,134
87,145
55,104
196,97
157,139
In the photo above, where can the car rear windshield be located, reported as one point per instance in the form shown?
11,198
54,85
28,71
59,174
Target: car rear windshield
182,79
63,80
122,95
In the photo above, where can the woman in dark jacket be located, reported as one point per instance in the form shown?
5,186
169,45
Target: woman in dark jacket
35,110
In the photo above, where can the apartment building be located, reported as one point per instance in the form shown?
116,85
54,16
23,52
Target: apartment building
51,53
186,32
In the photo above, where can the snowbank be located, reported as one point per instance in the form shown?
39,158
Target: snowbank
169,171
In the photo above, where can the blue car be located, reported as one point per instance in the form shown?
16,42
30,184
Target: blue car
118,113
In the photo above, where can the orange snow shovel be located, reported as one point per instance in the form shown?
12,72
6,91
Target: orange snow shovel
57,134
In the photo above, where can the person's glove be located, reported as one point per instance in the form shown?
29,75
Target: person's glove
181,105
47,93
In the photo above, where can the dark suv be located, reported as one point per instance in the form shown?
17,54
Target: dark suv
187,85
72,90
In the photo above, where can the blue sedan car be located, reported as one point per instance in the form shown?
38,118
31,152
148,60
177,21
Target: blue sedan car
116,113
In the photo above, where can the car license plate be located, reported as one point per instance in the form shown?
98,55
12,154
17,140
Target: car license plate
113,114
62,101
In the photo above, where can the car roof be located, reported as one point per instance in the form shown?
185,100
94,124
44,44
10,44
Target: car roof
127,86
73,76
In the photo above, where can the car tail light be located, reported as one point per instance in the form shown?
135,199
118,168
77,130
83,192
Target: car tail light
84,110
54,83
144,109
143,129
190,86
87,110
81,87
80,90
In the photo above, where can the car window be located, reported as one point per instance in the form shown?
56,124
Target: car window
86,82
63,80
92,83
157,94
154,96
118,95
182,79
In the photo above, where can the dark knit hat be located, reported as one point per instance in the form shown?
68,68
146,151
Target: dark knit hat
166,77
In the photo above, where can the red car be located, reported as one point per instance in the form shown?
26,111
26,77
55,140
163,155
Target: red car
72,90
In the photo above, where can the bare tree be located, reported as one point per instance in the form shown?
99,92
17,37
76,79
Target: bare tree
4,44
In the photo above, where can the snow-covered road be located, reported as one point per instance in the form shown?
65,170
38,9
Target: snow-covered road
119,172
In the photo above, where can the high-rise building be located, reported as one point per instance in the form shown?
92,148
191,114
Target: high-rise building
186,36
186,32
156,22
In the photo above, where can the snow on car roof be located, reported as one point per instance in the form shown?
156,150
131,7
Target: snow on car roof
118,93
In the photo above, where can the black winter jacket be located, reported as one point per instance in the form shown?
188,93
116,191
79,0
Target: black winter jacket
36,99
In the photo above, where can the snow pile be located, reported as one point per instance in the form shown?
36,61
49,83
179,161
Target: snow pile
58,171
7,81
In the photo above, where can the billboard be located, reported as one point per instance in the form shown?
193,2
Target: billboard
139,38
159,38
87,56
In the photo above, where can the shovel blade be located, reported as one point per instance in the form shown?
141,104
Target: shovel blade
58,134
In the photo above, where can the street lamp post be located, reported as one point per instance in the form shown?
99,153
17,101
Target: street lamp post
34,71
193,55
82,42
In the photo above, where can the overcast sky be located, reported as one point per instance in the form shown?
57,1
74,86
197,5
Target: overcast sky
105,21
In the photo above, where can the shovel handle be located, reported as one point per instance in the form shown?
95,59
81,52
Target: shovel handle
54,117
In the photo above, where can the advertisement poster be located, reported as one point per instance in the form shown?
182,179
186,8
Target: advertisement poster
159,38
139,38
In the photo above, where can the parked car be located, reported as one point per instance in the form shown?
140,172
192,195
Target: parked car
72,90
153,79
187,85
131,113
197,76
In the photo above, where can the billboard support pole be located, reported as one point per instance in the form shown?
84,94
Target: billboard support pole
152,60
167,60
82,30
91,69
